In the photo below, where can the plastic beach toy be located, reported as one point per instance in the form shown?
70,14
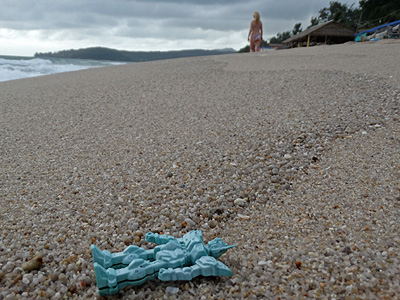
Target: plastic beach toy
173,259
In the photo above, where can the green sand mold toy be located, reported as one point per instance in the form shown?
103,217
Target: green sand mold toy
173,259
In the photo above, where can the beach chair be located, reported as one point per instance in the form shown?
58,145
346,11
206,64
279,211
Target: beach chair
381,35
395,32
370,37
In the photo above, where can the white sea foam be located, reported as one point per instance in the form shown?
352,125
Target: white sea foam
21,67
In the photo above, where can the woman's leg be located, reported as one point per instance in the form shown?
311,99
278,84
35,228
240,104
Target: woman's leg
252,46
257,45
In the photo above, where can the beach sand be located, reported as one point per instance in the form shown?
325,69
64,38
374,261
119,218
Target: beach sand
292,155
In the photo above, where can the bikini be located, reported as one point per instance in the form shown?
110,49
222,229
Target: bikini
256,27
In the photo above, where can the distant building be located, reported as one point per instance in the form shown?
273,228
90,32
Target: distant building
279,46
330,32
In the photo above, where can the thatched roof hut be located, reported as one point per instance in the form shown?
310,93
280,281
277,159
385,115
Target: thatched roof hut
331,31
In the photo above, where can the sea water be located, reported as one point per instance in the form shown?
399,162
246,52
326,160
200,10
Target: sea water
17,67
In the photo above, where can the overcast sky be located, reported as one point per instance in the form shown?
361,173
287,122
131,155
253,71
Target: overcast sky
29,26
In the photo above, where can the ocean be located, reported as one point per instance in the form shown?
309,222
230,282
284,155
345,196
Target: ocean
17,67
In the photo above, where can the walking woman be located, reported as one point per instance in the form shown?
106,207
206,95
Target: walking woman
255,33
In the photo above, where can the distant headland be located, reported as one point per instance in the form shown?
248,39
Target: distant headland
101,53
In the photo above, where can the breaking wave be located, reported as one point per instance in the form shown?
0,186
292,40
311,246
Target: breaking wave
22,67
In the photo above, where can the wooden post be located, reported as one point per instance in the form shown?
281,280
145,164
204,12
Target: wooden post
326,39
308,41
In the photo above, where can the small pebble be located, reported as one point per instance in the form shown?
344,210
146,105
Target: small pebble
274,171
346,250
212,223
172,290
34,264
240,202
243,217
190,222
25,280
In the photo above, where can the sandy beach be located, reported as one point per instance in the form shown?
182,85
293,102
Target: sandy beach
293,156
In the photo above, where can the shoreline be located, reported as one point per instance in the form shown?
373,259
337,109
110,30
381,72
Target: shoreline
291,155
349,48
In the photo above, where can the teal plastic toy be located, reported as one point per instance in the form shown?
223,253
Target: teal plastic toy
173,259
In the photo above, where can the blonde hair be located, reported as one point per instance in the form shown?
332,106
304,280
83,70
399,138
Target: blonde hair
257,16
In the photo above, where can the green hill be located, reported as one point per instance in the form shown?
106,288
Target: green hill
101,53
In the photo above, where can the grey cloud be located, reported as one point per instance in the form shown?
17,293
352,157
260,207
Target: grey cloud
207,14
41,14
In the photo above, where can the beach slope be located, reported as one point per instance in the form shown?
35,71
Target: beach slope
293,156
